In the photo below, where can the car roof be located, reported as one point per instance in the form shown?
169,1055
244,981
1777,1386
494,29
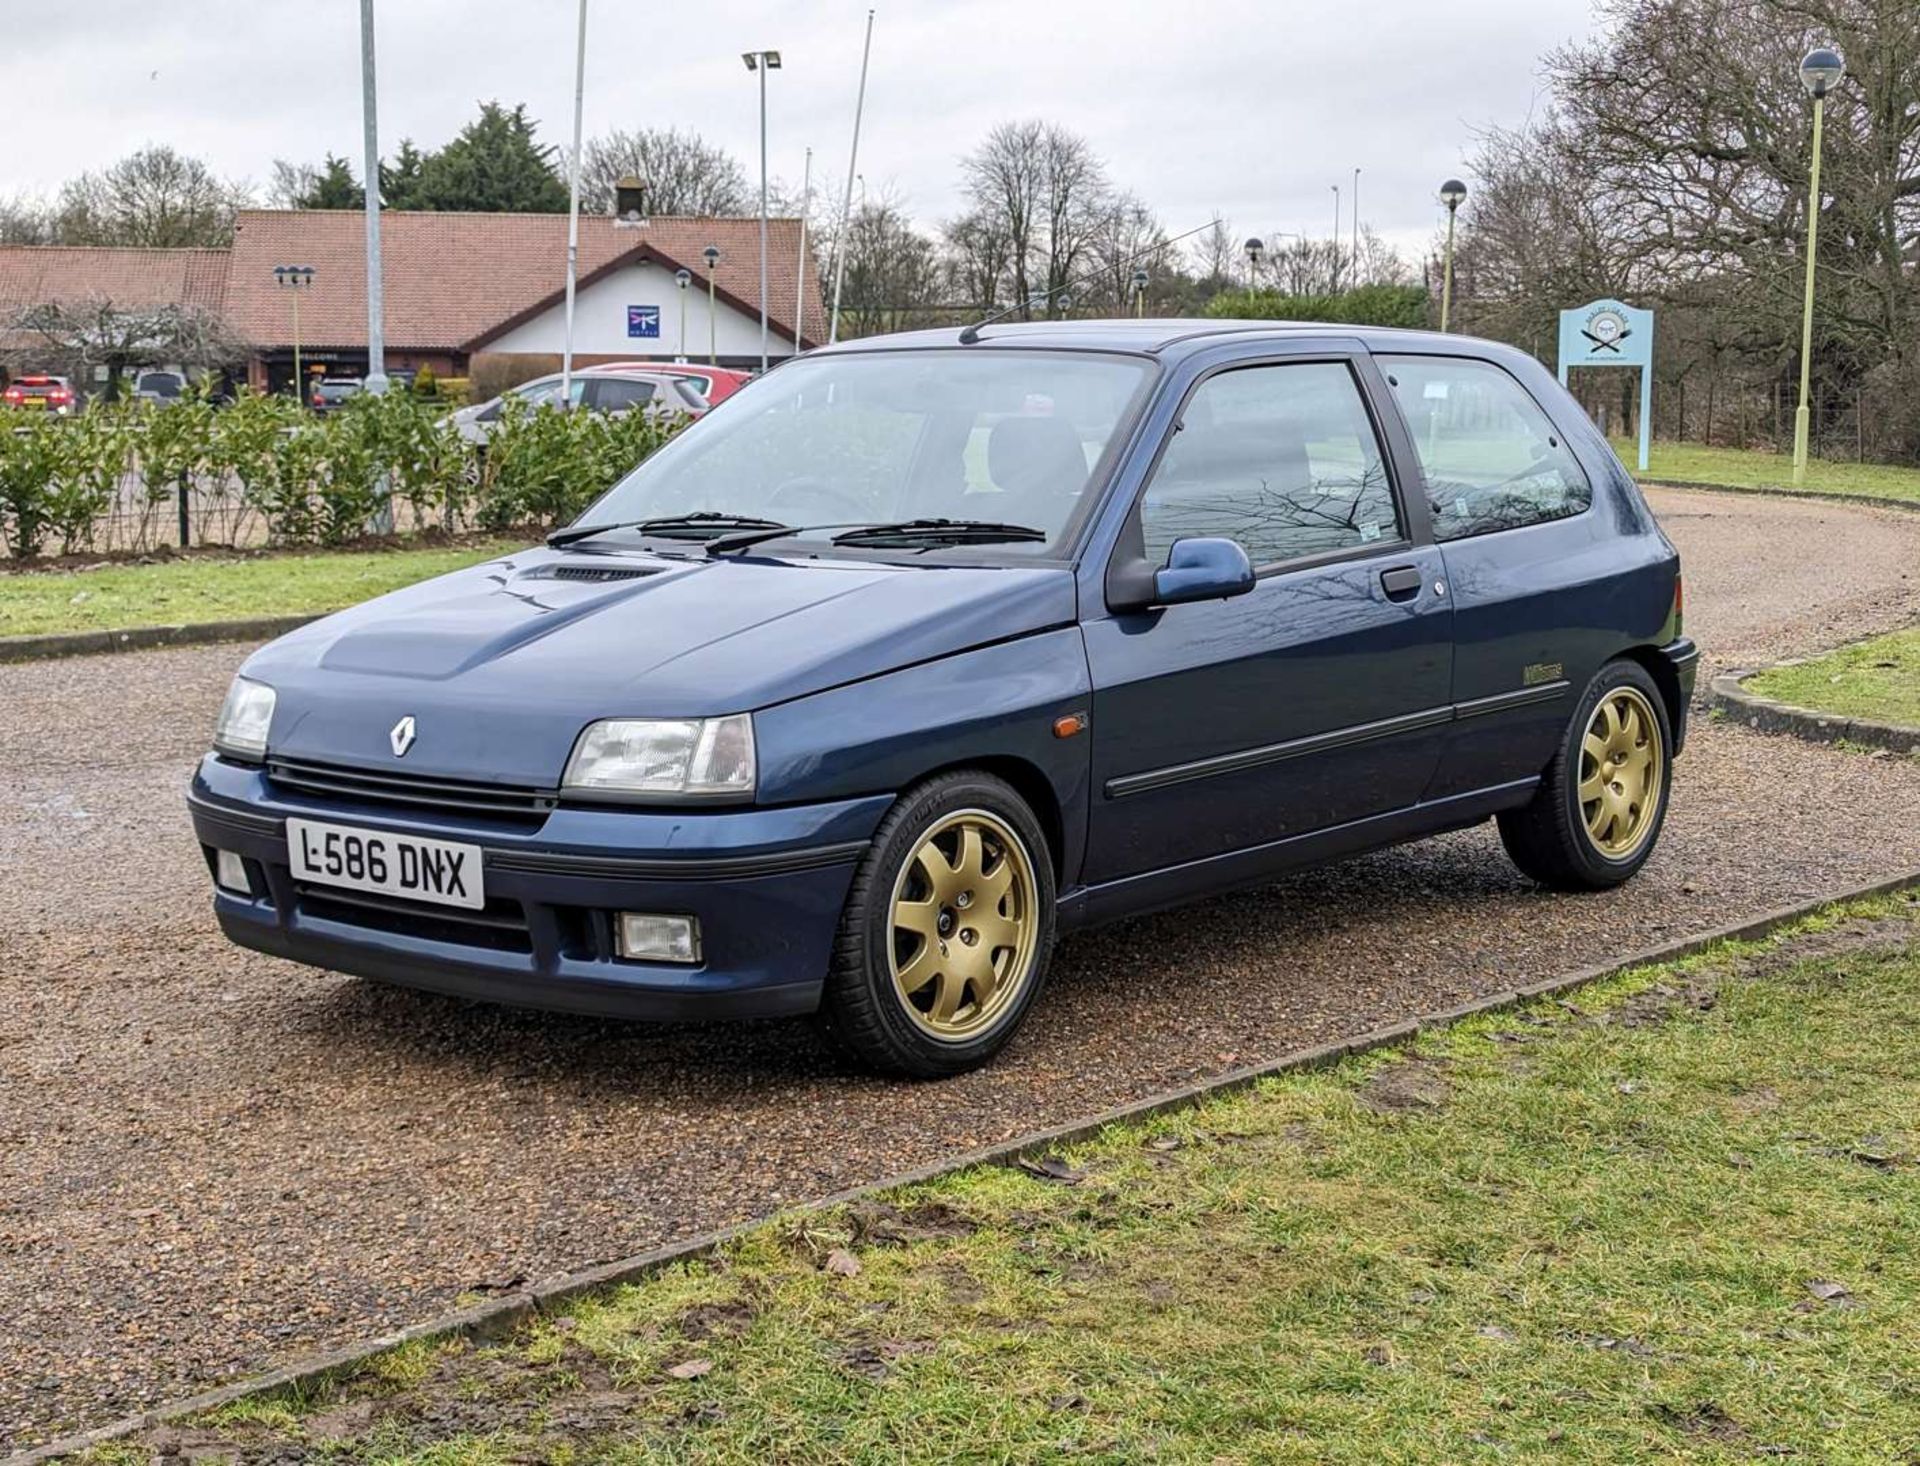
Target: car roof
1158,336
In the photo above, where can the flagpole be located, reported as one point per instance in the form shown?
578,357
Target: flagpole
846,201
573,205
800,278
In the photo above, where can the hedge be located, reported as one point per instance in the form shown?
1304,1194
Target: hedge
265,469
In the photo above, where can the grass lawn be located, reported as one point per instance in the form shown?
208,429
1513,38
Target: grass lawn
1877,679
1741,468
173,592
1678,1218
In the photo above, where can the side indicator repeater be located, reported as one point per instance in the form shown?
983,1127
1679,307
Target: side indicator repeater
1070,724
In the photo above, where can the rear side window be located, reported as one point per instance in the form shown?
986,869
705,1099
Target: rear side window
1283,459
1492,459
615,394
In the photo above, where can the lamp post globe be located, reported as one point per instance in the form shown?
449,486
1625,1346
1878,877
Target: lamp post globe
1821,70
1140,280
1453,193
1255,247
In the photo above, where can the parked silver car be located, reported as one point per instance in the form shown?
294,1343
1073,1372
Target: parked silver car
597,389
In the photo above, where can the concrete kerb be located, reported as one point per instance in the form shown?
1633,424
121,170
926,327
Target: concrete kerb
146,638
1818,496
498,1315
1767,715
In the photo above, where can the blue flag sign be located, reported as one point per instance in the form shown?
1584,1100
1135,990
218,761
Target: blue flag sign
643,320
1612,333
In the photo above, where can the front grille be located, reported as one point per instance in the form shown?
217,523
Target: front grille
501,925
336,781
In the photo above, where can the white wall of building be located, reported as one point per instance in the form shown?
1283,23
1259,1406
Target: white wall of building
600,313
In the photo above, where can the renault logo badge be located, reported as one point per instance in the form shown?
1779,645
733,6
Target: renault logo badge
402,736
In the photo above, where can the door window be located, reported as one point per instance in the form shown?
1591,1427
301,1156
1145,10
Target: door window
617,394
1283,459
1492,458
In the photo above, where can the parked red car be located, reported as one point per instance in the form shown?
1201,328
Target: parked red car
43,393
716,383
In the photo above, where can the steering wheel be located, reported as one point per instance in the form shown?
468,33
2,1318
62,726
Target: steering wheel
811,488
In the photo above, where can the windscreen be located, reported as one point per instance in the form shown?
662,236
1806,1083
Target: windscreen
1010,436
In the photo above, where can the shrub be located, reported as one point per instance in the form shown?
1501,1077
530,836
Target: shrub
30,457
1365,305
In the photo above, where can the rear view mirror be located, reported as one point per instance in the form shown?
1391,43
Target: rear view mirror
1202,569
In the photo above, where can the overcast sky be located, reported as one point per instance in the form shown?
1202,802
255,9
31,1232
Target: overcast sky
1253,110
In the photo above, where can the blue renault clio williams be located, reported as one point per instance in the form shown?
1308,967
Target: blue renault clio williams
923,650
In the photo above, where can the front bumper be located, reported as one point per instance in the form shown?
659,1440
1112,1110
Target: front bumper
767,886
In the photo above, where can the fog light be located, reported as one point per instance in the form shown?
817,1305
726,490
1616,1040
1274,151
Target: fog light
230,871
646,938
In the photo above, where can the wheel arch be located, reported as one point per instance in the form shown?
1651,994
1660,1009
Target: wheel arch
1665,678
1031,783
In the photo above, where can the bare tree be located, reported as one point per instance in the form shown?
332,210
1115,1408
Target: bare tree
25,220
893,271
1041,188
1124,236
77,336
155,198
1214,255
683,173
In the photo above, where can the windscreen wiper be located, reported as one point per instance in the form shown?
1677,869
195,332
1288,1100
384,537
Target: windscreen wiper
676,526
939,531
921,533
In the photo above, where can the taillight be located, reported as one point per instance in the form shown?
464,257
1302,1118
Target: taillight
58,394
1679,603
13,394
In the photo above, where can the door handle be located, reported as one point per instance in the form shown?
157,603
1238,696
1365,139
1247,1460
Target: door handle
1402,583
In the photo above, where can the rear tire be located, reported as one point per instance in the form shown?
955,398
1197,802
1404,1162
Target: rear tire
947,932
1598,812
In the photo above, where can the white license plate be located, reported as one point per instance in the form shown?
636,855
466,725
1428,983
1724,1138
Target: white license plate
440,871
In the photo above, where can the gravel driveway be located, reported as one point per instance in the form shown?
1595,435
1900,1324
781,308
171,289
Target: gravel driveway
211,1162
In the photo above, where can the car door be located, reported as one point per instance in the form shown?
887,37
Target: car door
1318,698
1534,568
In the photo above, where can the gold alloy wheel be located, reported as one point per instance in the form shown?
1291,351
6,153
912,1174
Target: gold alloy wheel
964,925
1622,771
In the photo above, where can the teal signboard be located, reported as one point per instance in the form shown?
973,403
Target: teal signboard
1610,333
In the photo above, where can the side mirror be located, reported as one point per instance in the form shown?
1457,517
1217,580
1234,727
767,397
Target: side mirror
1202,569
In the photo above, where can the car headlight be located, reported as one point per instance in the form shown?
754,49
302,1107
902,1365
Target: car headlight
673,758
244,718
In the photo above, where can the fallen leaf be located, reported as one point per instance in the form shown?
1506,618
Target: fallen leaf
1165,1142
1826,1291
843,1264
1052,1168
690,1368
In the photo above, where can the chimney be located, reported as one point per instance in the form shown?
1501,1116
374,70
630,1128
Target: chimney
629,203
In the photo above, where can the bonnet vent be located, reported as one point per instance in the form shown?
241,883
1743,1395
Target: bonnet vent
588,572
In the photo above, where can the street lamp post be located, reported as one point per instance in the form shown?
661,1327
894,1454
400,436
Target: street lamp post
1820,71
763,62
1254,248
1139,294
711,254
1453,193
295,278
683,277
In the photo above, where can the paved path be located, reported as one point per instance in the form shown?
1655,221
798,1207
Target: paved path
211,1162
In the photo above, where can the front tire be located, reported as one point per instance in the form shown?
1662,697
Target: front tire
947,932
1598,812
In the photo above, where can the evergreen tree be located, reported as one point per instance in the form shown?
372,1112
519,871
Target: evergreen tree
332,187
492,166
